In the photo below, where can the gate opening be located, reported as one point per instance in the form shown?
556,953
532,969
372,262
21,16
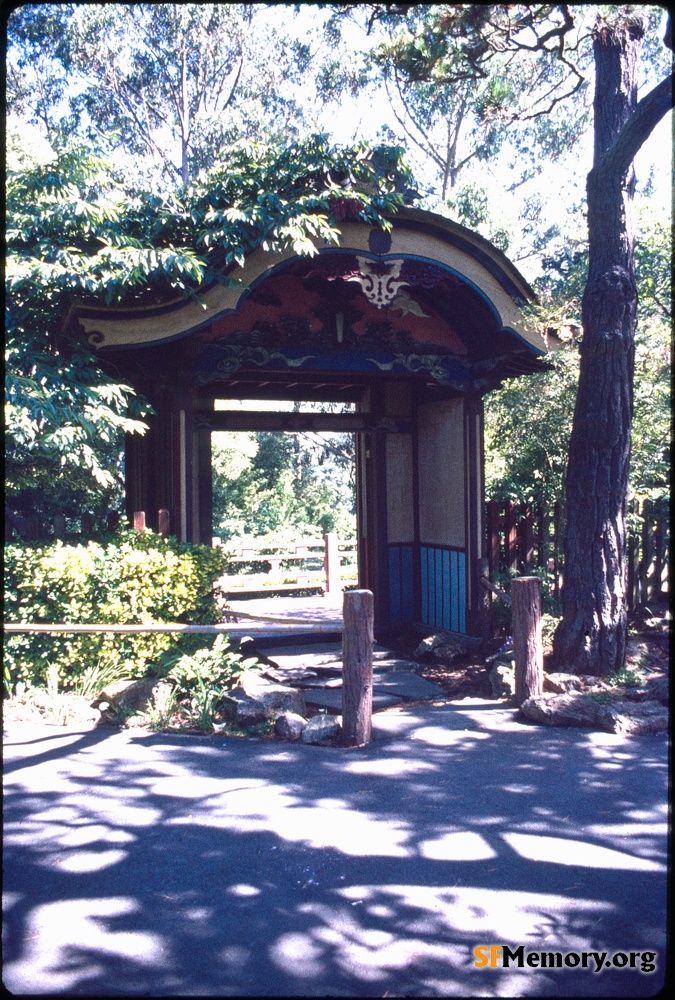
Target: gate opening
284,502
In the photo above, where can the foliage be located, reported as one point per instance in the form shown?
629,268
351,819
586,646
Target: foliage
268,483
202,678
528,421
73,232
133,579
174,82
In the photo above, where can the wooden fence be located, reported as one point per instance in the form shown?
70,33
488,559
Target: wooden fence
524,538
521,539
327,564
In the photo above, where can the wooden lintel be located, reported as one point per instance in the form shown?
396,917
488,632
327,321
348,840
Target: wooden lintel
258,420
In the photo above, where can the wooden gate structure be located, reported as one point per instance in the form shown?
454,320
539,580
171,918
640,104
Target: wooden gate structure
411,326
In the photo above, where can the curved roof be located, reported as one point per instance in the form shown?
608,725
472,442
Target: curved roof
491,284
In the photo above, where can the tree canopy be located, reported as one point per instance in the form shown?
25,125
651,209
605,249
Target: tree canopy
74,232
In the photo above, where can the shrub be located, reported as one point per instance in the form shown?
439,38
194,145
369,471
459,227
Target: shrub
130,579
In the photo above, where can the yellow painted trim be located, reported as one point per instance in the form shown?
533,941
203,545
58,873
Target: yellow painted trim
152,324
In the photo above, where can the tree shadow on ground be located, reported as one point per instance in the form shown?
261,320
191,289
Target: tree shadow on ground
159,865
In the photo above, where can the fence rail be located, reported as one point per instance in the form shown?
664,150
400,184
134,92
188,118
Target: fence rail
327,564
523,538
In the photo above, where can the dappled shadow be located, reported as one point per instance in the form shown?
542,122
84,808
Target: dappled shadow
170,865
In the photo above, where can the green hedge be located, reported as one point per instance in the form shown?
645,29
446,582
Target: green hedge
134,578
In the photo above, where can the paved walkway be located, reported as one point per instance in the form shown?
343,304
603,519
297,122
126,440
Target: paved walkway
309,610
140,864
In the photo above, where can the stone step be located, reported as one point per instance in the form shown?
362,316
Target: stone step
331,699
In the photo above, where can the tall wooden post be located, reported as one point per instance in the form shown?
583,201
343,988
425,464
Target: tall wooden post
527,645
484,606
331,562
163,522
357,667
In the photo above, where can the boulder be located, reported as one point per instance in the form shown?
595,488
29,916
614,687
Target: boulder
583,709
254,700
560,683
440,649
632,718
502,680
134,696
289,726
573,709
656,689
322,729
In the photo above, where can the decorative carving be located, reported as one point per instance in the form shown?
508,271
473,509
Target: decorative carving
379,281
220,361
419,273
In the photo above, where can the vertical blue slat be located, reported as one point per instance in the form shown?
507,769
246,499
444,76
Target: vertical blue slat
447,581
462,592
425,591
438,618
395,583
407,583
454,594
431,567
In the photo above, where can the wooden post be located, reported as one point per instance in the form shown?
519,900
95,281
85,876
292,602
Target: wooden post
511,536
484,599
60,527
647,545
32,528
527,645
139,520
357,667
493,546
528,539
87,522
331,564
163,522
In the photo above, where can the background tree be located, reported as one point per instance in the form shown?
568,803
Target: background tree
461,43
592,635
174,83
274,483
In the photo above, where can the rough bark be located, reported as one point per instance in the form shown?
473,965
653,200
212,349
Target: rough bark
357,667
592,635
527,644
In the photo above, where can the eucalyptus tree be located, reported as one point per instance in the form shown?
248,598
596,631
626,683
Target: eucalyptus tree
174,83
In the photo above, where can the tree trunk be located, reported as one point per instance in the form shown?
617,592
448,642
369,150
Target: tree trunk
592,635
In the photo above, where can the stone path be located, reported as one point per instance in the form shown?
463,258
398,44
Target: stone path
316,670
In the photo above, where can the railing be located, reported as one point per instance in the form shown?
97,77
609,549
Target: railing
522,538
326,565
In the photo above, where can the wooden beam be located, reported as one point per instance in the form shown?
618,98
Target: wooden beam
260,420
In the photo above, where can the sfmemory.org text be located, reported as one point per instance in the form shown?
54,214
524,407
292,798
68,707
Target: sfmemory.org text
500,956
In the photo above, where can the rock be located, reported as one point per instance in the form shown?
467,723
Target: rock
322,729
439,648
134,696
573,709
633,718
255,700
502,681
659,689
289,726
656,689
560,683
582,709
